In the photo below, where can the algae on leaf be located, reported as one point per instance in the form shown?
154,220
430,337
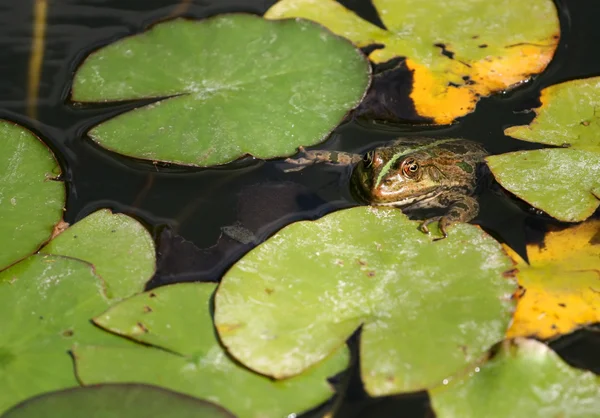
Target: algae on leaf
563,182
525,379
456,50
185,355
31,202
428,309
560,282
227,86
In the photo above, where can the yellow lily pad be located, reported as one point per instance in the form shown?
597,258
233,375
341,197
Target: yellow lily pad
561,283
458,51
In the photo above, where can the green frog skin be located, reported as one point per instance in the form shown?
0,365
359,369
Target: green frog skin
414,173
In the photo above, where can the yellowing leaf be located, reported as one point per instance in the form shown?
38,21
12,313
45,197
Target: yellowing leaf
458,51
561,283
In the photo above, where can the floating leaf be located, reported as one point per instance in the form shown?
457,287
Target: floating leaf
561,282
235,84
457,51
525,379
427,309
114,401
190,360
119,247
46,302
30,202
565,183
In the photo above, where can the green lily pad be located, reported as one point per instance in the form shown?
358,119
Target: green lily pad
114,401
119,247
456,50
234,84
565,182
30,202
46,302
525,379
190,359
427,308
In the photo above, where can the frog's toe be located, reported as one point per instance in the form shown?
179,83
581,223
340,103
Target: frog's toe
424,227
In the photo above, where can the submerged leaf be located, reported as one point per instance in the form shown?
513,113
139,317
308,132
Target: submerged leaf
235,84
565,183
561,283
119,247
525,379
457,51
427,308
190,359
114,401
31,203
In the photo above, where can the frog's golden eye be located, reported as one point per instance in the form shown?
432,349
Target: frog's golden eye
410,167
368,159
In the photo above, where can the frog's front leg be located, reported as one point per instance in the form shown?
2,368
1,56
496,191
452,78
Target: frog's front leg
307,158
461,208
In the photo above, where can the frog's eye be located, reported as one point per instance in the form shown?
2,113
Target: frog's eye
410,167
368,159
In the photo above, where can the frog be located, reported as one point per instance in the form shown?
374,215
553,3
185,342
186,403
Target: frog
414,173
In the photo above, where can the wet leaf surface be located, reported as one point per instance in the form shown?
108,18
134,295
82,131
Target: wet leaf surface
457,51
189,358
427,308
565,183
236,84
114,401
30,203
46,302
119,247
525,379
561,283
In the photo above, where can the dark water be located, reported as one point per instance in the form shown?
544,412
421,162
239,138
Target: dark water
186,208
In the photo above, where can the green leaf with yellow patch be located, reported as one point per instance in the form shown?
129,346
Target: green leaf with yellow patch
457,50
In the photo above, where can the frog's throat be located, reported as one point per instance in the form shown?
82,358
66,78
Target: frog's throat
387,167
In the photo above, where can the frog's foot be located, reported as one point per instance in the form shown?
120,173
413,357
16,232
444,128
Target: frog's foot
311,157
459,212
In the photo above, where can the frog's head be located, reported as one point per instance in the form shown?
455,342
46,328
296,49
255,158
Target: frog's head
390,178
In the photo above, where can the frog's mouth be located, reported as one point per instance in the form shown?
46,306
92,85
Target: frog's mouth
361,190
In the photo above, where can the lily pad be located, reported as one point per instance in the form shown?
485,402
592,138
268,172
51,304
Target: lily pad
457,50
427,308
525,379
46,302
561,291
30,202
190,359
114,401
565,182
119,247
229,85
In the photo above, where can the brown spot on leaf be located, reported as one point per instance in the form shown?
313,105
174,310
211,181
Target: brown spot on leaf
67,333
371,273
562,305
60,227
361,262
142,327
269,291
585,123
152,295
510,274
147,309
483,46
